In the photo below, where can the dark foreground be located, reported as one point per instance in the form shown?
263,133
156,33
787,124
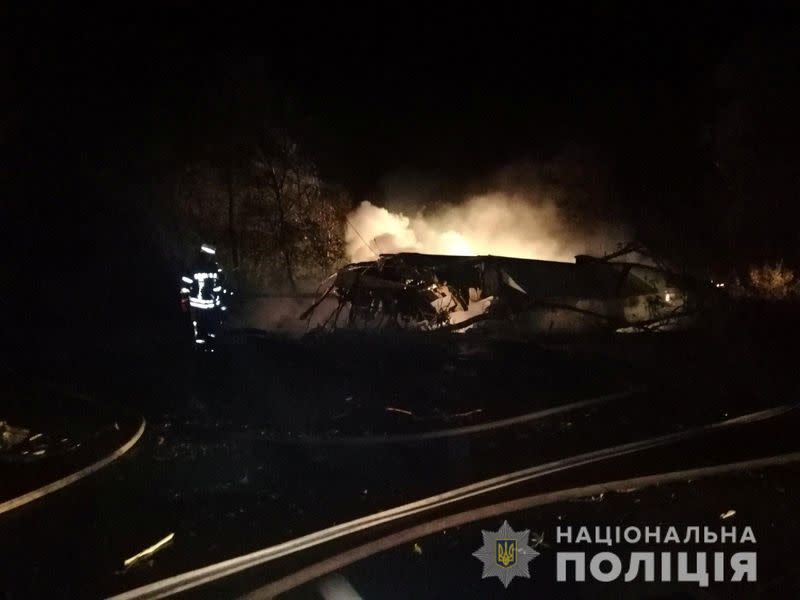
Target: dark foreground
269,439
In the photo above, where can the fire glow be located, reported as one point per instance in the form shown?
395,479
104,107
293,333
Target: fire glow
497,224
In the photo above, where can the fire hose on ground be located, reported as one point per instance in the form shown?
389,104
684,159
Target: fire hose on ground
63,482
410,438
339,561
201,576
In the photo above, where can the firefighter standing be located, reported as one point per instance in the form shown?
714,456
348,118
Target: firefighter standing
203,298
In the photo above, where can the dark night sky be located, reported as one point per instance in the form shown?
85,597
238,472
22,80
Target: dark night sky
102,105
401,90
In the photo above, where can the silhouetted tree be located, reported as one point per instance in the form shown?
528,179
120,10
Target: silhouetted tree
286,225
303,216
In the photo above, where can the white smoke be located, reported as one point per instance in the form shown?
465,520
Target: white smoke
514,225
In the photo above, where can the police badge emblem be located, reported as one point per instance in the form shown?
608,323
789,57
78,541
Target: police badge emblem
505,554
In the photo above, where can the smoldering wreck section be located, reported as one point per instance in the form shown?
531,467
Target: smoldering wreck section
422,292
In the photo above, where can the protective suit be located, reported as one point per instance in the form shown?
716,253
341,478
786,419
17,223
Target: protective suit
203,295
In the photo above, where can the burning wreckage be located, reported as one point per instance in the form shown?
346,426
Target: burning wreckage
455,293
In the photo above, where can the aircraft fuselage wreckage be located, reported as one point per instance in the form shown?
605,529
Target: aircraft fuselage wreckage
426,292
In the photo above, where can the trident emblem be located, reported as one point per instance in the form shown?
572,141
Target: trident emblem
506,553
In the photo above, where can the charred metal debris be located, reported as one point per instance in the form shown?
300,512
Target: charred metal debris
455,293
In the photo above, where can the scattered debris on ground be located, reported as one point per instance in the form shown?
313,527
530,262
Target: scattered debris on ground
149,551
12,436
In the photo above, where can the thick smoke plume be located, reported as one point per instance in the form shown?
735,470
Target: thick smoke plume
503,224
